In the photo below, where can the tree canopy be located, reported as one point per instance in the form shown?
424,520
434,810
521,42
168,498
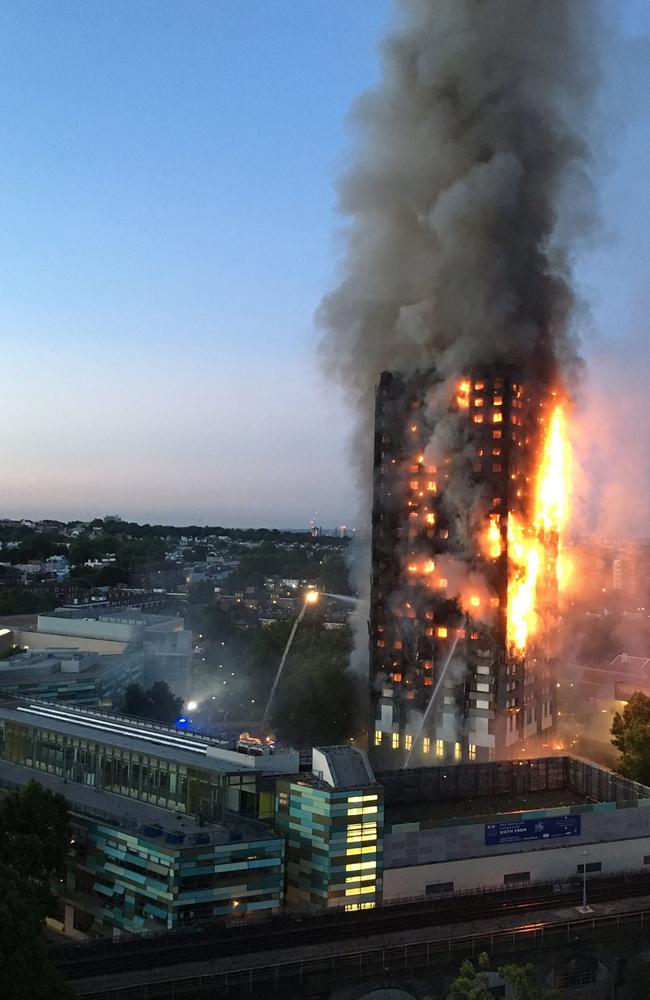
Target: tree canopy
631,737
159,703
473,982
34,838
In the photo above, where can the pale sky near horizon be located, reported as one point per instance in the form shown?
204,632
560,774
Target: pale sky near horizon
168,227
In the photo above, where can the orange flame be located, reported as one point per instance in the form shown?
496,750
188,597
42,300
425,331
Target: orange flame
462,395
532,549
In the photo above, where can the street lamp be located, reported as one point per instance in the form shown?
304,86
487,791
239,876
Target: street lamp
311,597
584,908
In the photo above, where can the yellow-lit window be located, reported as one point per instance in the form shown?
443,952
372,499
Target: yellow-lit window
479,385
408,741
457,751
377,737
395,741
359,866
432,486
498,401
441,631
430,518
357,811
426,744
472,751
478,401
497,417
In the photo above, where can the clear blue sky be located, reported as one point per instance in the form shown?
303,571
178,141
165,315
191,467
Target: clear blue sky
167,228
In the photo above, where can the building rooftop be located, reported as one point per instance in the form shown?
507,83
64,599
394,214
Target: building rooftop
137,735
130,814
342,767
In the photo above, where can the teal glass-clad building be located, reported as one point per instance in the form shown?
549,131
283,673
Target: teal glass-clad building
332,822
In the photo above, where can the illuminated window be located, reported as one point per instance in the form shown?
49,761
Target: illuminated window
497,435
414,468
432,486
430,518
397,678
361,866
472,751
457,751
491,754
478,418
429,615
440,748
441,631
444,533
498,401
479,385
426,744
428,631
478,402
397,644
395,741
381,643
414,427
428,682
497,417
414,484
377,737
427,664
496,451
408,741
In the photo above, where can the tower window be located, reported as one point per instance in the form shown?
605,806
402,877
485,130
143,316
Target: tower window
440,748
426,744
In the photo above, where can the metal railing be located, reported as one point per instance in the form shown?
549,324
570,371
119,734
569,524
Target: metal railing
283,977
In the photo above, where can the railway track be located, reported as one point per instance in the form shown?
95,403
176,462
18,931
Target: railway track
97,959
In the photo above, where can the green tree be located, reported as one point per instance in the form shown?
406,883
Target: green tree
472,982
631,737
34,838
159,703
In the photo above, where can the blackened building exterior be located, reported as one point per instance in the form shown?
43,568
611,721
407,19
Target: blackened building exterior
446,682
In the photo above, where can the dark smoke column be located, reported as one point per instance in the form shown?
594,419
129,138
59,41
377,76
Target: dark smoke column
467,192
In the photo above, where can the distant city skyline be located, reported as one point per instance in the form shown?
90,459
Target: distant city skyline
168,220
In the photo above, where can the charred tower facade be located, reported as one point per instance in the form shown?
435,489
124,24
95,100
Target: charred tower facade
454,673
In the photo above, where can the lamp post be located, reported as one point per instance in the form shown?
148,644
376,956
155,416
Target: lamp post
584,908
311,597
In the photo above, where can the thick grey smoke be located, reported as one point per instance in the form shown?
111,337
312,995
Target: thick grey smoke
468,187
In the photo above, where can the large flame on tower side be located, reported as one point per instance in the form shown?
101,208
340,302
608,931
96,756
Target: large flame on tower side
533,545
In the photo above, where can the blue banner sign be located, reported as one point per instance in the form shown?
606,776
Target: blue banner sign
532,829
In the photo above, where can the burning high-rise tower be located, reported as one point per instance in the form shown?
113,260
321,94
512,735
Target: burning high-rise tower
464,565
466,195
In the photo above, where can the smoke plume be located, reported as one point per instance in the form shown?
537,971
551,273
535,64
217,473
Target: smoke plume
468,187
